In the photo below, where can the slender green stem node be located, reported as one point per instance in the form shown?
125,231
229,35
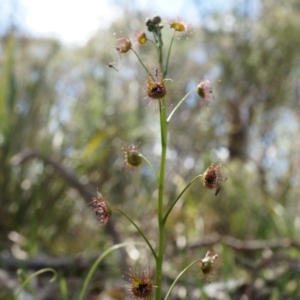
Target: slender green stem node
97,262
178,105
139,230
168,57
179,275
179,196
26,281
151,167
141,62
161,239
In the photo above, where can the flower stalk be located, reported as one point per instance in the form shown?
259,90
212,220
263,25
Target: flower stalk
179,196
213,177
138,229
161,223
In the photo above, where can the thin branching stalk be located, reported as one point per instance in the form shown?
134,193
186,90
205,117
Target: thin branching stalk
154,45
151,167
26,281
141,62
159,42
179,196
160,58
168,56
139,230
155,38
22,275
178,105
97,262
177,278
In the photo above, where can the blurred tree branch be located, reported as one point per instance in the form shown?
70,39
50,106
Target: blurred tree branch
63,264
240,245
87,191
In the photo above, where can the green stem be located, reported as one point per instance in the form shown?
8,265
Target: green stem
155,38
177,106
139,230
179,196
160,60
161,240
159,42
151,167
23,275
97,262
179,275
168,57
155,46
160,214
32,276
141,62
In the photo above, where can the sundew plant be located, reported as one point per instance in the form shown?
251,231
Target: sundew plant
147,284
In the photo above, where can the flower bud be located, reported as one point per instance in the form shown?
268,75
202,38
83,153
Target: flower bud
204,90
208,264
177,25
133,158
156,20
141,38
102,209
214,177
125,45
153,24
141,285
148,22
155,88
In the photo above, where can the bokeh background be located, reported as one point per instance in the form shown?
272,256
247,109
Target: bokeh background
65,116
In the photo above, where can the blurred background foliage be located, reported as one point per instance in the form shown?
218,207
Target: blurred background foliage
65,116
